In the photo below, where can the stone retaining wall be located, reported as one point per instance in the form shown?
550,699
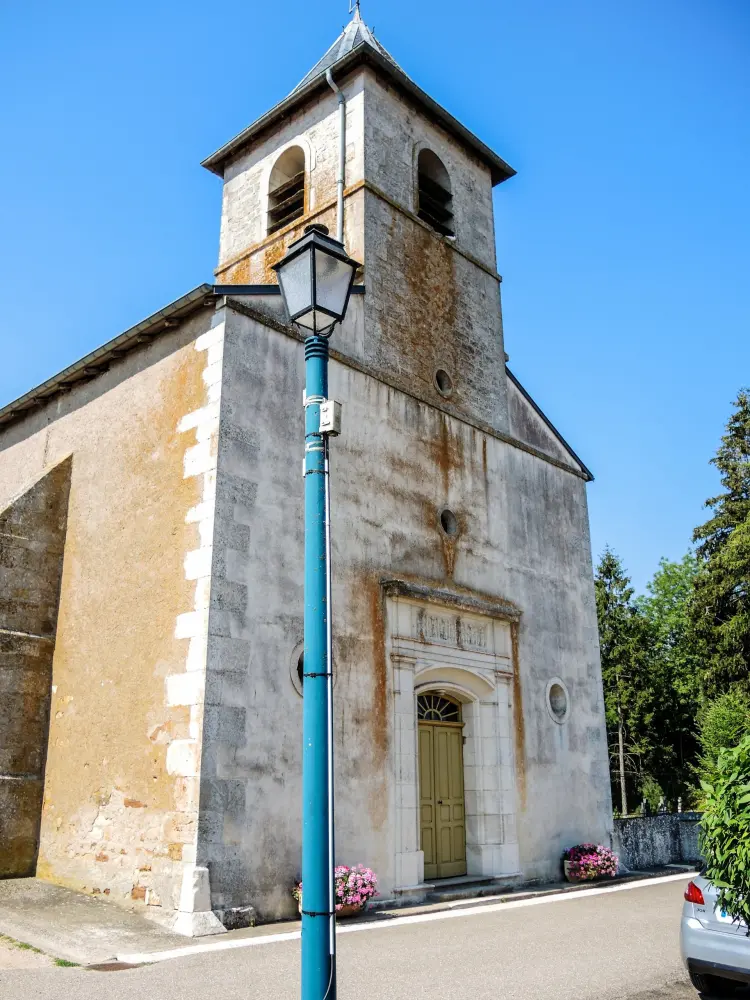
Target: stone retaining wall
646,841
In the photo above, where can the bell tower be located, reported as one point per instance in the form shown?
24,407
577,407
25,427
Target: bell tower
417,212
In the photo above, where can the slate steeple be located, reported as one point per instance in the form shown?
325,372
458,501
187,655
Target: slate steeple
355,34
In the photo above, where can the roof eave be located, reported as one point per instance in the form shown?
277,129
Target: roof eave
588,474
499,169
96,362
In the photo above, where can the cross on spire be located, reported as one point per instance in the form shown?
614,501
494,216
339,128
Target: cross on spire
354,9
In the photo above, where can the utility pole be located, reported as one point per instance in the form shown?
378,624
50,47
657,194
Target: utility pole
621,741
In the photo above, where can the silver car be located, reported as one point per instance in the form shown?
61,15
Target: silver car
715,949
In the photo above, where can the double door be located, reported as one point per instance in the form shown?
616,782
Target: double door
441,799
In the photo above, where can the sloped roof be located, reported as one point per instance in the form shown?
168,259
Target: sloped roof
355,33
356,45
557,436
97,361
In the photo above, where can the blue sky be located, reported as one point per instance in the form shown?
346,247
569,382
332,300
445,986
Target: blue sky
624,241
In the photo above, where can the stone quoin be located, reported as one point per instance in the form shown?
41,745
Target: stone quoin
151,550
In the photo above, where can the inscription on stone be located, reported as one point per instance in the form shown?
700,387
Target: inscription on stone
473,635
435,628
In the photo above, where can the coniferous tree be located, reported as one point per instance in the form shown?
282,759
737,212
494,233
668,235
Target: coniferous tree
623,645
721,602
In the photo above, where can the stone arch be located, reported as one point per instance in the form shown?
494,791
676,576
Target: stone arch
433,191
278,168
464,684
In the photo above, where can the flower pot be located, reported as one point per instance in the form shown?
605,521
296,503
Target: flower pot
349,910
575,878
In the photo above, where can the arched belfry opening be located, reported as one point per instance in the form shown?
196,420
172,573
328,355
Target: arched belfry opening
434,197
286,189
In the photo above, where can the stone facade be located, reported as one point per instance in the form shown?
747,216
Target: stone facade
32,541
520,564
175,722
123,748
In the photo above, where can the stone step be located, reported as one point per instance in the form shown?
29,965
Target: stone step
449,890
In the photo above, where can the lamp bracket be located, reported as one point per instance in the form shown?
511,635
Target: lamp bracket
311,400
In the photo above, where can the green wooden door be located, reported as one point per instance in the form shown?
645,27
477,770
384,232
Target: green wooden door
441,800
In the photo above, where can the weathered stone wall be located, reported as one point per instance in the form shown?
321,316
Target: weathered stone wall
523,538
395,130
120,795
406,451
432,301
246,254
32,540
648,841
526,425
428,307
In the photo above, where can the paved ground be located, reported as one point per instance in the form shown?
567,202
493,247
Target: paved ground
15,956
73,925
610,946
90,930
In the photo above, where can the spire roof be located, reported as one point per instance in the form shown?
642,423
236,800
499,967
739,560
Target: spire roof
356,45
355,33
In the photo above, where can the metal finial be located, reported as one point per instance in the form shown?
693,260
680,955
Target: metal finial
354,9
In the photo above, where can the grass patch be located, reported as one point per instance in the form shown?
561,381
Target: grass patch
4,939
63,963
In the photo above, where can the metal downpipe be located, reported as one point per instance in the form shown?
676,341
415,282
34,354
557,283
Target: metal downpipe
342,157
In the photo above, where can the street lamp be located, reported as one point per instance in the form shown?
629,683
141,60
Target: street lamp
316,278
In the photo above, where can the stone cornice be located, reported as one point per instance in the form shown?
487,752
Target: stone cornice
469,601
362,185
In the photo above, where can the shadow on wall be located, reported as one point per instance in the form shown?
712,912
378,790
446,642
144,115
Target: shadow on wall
32,541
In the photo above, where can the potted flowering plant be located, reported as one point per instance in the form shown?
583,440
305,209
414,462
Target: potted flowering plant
353,887
589,861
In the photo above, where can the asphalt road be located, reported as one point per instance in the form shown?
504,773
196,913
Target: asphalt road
615,945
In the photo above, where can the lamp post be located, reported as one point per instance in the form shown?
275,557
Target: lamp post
316,278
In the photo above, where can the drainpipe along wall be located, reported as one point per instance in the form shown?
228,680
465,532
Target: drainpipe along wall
342,158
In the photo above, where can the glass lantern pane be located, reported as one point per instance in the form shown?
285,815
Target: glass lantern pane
332,278
307,320
294,279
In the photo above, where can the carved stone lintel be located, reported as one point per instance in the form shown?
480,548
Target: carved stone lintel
479,604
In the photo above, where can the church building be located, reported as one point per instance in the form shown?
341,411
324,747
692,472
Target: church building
151,552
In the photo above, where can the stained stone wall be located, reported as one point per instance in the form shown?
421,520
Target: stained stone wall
522,538
32,541
119,816
647,841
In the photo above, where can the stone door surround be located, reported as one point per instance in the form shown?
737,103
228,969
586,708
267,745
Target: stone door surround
460,645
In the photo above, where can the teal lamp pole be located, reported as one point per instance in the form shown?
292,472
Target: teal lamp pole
316,278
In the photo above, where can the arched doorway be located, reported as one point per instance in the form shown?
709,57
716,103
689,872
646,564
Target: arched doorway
442,809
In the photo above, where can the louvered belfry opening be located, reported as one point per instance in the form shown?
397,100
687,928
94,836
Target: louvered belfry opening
434,199
286,194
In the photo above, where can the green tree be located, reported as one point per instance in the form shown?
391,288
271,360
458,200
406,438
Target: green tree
721,602
723,725
725,830
674,667
623,645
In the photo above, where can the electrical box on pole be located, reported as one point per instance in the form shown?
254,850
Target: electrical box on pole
330,417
